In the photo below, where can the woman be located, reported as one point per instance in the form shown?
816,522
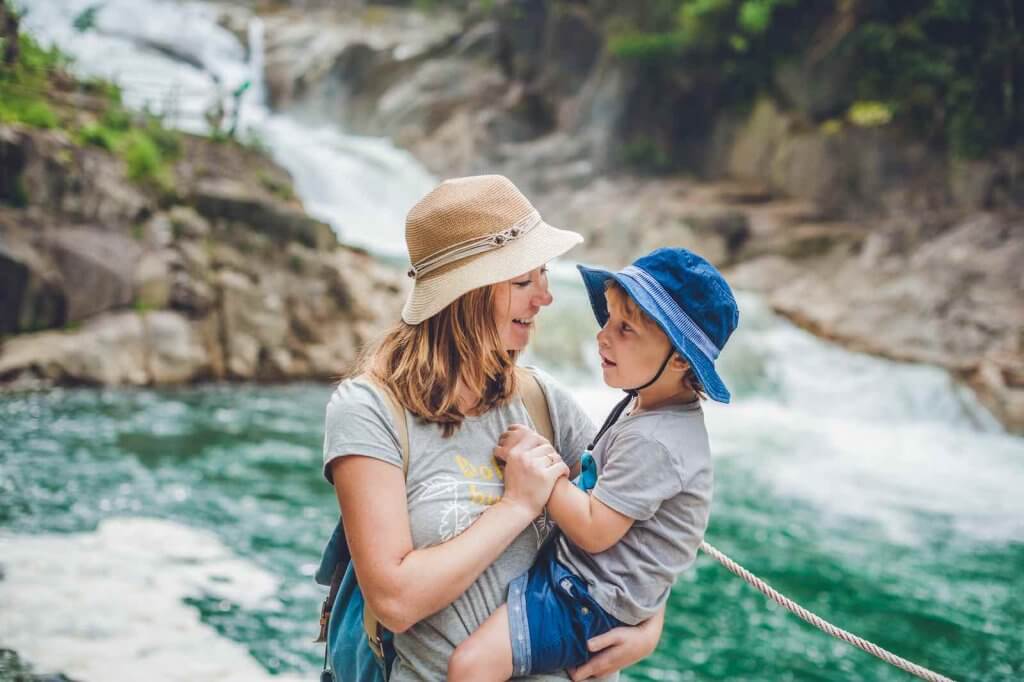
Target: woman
435,550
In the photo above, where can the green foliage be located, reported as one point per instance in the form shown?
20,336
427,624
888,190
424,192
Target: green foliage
98,136
280,188
869,114
952,70
86,20
141,155
24,85
26,96
644,153
646,47
39,114
106,89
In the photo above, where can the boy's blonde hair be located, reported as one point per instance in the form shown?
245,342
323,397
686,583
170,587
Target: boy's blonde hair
422,364
634,314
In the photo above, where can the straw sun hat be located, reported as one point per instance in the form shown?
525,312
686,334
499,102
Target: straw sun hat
471,232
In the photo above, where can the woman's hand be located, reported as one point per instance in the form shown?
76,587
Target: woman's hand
515,436
620,647
531,471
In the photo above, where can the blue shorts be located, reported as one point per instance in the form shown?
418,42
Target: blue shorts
551,615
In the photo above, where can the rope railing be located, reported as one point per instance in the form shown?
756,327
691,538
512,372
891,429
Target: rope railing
820,623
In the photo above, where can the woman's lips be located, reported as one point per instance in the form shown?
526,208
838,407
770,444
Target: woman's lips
605,362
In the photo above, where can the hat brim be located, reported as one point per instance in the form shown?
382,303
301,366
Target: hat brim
594,280
543,243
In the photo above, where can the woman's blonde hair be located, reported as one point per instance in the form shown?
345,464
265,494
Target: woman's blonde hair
422,364
635,315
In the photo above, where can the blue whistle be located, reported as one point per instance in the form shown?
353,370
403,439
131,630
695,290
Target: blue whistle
588,472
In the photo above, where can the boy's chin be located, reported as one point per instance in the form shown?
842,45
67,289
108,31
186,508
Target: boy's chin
610,380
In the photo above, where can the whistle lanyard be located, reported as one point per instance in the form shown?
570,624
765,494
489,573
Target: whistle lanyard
588,468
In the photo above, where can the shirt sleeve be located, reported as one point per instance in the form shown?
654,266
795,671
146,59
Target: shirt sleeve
359,422
639,473
572,427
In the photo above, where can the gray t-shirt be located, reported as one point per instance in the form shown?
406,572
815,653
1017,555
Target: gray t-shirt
451,481
655,468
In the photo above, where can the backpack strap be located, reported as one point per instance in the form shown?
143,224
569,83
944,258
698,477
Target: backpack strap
536,402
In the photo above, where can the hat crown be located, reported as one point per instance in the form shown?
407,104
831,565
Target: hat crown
697,287
460,210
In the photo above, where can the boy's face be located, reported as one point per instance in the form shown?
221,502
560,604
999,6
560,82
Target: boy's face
631,351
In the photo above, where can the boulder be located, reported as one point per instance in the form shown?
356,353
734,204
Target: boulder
31,292
97,268
226,200
152,280
114,349
253,322
174,350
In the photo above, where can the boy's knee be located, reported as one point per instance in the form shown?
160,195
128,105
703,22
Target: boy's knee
465,663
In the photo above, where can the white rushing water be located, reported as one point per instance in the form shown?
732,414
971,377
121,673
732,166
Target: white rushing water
175,59
853,436
110,605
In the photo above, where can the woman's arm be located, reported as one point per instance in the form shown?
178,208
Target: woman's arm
404,585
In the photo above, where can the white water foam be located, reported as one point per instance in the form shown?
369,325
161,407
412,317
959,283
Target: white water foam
108,606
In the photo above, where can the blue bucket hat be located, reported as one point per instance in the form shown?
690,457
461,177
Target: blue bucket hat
687,297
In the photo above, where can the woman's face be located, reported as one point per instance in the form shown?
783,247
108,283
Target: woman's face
516,303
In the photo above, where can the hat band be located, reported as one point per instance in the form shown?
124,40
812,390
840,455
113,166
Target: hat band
475,246
668,307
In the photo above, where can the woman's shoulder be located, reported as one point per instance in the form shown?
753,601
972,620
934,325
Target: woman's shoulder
355,399
354,392
553,390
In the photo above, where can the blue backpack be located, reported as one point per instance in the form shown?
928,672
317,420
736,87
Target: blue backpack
358,648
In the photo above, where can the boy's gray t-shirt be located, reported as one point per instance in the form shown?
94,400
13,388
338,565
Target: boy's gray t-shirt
451,481
655,468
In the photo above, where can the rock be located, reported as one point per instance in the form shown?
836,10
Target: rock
480,41
572,46
97,268
83,356
732,226
816,86
185,222
13,159
31,292
419,104
174,351
253,324
150,348
152,280
227,200
190,295
302,46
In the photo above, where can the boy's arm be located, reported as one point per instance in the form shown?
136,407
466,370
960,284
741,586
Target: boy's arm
592,525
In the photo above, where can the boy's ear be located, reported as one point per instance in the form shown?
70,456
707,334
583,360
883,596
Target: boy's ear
679,363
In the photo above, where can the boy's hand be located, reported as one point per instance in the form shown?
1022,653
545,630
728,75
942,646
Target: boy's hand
516,438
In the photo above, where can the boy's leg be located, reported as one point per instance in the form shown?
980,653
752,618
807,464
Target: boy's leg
486,654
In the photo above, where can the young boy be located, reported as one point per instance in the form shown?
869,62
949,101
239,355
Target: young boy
664,320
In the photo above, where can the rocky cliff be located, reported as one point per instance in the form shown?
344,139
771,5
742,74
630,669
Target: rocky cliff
856,231
202,266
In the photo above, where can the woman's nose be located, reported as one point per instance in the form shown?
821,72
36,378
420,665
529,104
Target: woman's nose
602,338
543,296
